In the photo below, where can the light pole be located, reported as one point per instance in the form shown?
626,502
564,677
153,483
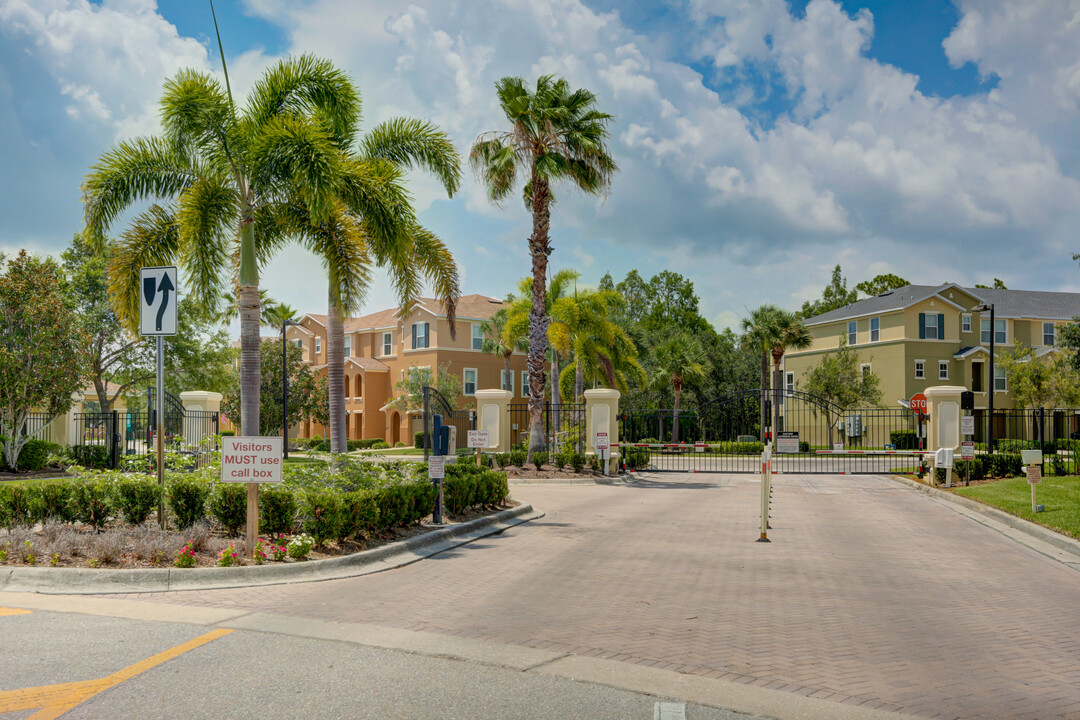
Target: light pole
285,323
993,378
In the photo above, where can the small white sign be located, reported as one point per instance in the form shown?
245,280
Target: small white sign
251,459
787,442
838,446
478,438
1031,457
436,467
967,425
602,442
699,447
1034,474
157,301
967,450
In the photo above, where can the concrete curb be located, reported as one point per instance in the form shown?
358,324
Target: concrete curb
79,581
1059,541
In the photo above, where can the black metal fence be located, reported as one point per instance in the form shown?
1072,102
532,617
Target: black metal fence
564,425
1056,432
38,426
114,439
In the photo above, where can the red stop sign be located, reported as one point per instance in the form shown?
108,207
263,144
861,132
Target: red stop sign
918,404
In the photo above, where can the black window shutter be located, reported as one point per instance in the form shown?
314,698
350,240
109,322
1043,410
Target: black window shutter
922,326
414,337
940,326
427,335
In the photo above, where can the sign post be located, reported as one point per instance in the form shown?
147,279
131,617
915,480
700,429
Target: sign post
437,471
1033,460
478,439
602,445
918,406
157,318
251,460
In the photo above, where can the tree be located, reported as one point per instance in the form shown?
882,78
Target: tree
1040,381
307,392
999,284
759,336
275,314
411,389
836,295
881,284
498,339
602,351
214,175
676,361
788,331
840,381
556,135
43,357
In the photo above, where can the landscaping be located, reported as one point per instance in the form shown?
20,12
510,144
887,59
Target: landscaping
1059,495
109,518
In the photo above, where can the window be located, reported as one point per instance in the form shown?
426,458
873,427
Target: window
943,370
299,344
852,335
318,345
865,368
977,377
347,394
789,381
420,336
931,326
524,383
388,343
1048,333
999,330
507,380
477,336
1000,382
469,381
875,329
965,323
348,346
920,369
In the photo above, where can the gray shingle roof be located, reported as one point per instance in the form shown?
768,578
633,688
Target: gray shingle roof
1007,303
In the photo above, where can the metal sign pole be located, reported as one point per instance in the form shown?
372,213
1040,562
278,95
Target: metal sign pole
160,432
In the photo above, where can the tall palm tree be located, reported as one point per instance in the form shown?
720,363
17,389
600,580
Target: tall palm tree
275,313
555,134
677,360
601,349
216,174
499,340
789,332
759,335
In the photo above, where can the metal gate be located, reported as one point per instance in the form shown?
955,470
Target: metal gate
435,403
727,435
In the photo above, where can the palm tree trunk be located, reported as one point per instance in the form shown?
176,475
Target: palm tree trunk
538,320
335,375
249,361
556,399
675,415
762,418
778,390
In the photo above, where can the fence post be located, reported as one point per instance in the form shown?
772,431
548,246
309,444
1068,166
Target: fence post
114,439
601,411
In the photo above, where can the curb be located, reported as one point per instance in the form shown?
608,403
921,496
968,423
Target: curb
80,581
1061,542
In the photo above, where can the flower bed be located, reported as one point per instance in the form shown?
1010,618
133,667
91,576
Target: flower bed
109,519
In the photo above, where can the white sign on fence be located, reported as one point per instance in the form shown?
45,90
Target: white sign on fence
967,425
437,467
787,442
838,446
251,459
967,450
478,438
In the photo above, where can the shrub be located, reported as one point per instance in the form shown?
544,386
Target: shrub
187,500
186,557
359,515
637,458
90,502
561,459
300,546
502,459
594,463
277,509
540,458
405,503
804,447
418,440
518,458
322,513
399,444
227,433
18,505
135,498
380,445
904,439
228,505
577,461
35,454
91,456
473,487
54,501
1005,464
228,557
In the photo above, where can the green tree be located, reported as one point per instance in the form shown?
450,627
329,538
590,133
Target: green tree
602,351
411,389
881,284
307,392
788,332
43,357
836,295
759,336
846,386
1040,381
499,341
214,175
1000,284
676,361
556,134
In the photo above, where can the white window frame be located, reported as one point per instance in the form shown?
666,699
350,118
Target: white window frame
943,370
853,332
465,380
938,335
965,323
477,336
503,375
524,383
318,345
865,369
348,345
1004,380
388,343
875,329
984,335
1052,334
298,343
789,381
920,369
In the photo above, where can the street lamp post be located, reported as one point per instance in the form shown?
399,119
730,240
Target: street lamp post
993,378
285,323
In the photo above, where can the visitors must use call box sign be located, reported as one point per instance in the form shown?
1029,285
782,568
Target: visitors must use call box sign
251,459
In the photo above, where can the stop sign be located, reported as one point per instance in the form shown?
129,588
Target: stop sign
918,404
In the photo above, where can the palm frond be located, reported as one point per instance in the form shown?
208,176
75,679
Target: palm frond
152,240
206,215
412,143
437,264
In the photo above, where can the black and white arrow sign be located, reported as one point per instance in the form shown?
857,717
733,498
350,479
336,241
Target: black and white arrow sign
157,301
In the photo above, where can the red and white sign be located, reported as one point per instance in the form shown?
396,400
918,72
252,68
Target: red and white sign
602,442
1034,474
918,404
967,450
251,459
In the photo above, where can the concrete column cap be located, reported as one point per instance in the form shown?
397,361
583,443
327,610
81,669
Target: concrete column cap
943,390
201,395
602,394
494,394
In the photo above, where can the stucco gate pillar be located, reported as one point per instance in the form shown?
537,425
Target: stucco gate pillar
199,401
943,405
601,415
493,415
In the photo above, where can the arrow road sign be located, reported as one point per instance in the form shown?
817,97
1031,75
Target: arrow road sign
157,301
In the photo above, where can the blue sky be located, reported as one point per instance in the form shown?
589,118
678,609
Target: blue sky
761,141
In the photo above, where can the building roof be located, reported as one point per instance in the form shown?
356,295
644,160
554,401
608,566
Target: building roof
1007,303
469,307
362,363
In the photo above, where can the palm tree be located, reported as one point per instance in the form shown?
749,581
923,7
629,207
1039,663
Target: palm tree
789,332
216,174
499,340
555,134
601,349
759,335
275,314
677,360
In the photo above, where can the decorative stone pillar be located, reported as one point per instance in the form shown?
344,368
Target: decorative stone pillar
493,415
943,406
198,401
602,415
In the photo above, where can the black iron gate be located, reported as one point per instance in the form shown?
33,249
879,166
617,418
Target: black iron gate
814,435
435,403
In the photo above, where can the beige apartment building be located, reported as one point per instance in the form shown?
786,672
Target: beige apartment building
918,336
380,348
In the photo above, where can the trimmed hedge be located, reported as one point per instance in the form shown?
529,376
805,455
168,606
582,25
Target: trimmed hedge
135,498
418,440
187,500
228,505
91,456
278,508
999,465
904,439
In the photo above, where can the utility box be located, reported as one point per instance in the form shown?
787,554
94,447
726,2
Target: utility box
854,426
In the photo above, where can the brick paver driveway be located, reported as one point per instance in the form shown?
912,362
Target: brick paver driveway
869,593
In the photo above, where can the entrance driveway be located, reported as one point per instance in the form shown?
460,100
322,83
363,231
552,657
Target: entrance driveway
868,594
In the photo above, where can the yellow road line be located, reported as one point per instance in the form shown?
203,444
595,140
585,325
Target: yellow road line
13,611
55,700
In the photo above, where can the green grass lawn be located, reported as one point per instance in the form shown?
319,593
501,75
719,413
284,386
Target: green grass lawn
300,460
1060,495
